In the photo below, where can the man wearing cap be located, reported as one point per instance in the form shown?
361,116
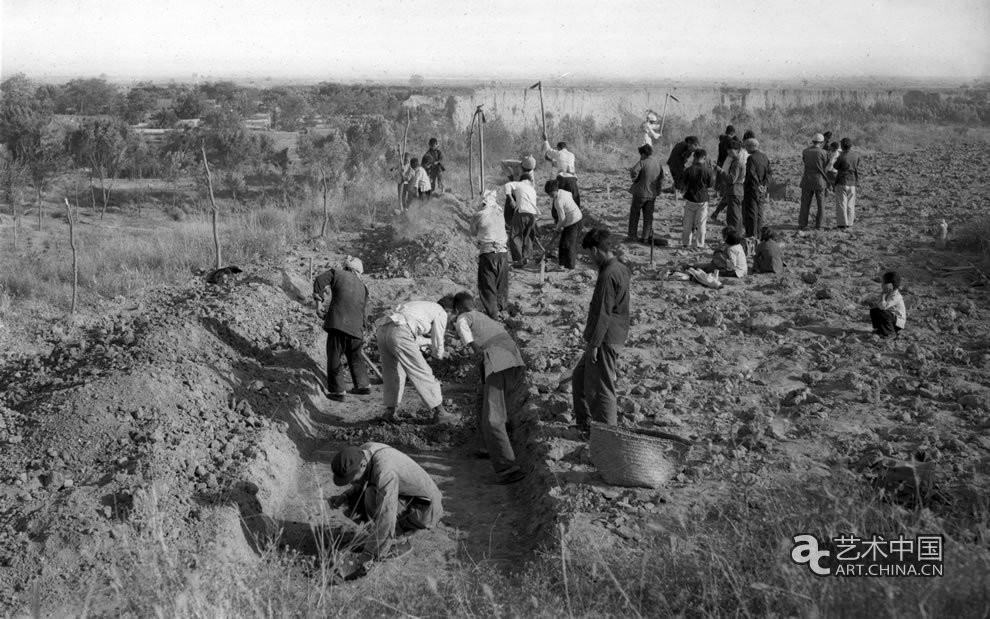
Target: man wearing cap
505,389
651,129
521,196
400,335
563,161
758,177
814,181
846,180
342,298
488,232
647,177
514,170
389,490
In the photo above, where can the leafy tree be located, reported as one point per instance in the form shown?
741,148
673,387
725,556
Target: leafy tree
190,104
260,154
324,158
136,105
164,118
14,177
88,96
174,164
101,145
31,138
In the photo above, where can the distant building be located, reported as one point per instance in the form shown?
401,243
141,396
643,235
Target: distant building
259,122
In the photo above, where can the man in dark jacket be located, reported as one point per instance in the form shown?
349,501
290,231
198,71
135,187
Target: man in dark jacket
593,380
680,157
647,176
846,181
435,168
347,295
732,177
758,177
725,144
813,182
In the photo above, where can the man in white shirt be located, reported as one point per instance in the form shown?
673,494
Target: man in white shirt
651,130
568,217
418,182
563,161
521,195
488,232
400,335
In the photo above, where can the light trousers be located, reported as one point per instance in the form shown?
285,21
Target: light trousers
695,218
845,205
401,358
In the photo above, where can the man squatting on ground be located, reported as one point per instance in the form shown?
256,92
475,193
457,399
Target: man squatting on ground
647,177
814,181
488,231
514,170
563,161
343,320
698,179
758,177
505,388
593,380
568,216
846,180
521,195
400,335
389,490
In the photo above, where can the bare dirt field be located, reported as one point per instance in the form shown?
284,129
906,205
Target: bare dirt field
169,440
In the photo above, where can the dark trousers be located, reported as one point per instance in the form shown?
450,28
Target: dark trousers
752,212
493,282
567,249
508,211
569,183
504,391
733,211
884,321
593,387
803,216
340,344
646,207
521,236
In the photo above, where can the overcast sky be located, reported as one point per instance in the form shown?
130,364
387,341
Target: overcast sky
625,39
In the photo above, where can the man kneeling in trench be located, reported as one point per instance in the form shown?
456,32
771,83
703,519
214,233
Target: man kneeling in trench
389,490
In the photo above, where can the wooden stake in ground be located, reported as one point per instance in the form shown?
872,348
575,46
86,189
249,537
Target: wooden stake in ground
325,186
213,206
471,152
402,162
70,216
481,148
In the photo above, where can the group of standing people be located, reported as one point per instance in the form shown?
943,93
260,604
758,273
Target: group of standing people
421,176
834,168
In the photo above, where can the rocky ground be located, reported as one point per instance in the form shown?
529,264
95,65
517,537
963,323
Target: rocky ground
197,412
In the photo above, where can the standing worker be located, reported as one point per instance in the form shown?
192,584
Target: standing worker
568,216
521,195
400,335
488,231
651,130
698,179
435,168
680,157
593,380
814,181
388,490
514,170
647,177
758,177
563,161
732,175
347,296
846,180
725,144
505,387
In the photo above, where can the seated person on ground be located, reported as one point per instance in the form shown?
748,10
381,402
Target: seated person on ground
729,260
888,315
767,258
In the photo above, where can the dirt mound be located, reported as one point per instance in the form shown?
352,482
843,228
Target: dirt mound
431,239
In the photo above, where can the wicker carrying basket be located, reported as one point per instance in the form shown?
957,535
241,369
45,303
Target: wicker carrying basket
627,458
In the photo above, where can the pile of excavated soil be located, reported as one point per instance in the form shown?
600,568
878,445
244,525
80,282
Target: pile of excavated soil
430,239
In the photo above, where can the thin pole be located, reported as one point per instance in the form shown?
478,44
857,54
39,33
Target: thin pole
471,152
481,158
663,117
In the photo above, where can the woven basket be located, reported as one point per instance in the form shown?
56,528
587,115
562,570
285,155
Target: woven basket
626,458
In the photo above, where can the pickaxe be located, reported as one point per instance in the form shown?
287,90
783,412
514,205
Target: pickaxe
663,116
543,114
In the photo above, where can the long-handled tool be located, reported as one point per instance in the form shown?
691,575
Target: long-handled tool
543,114
543,258
471,153
481,148
663,117
373,367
